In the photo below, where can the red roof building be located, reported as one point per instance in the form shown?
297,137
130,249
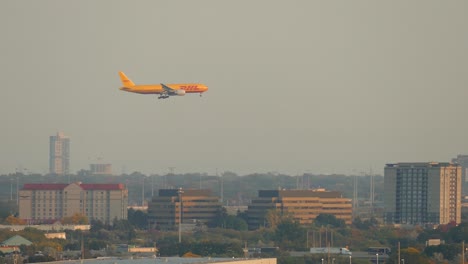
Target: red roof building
51,202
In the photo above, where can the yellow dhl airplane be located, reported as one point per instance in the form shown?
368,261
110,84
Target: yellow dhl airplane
164,90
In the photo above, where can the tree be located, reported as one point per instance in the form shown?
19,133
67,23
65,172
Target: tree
457,234
449,251
124,229
328,220
290,235
168,246
97,225
219,219
274,217
410,255
223,220
96,244
76,219
40,258
138,218
6,209
243,215
236,223
15,221
366,224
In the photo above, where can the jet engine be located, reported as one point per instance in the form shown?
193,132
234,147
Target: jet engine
180,92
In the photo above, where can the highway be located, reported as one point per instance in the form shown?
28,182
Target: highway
356,254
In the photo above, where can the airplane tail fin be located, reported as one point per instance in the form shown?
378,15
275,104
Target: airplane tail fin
125,80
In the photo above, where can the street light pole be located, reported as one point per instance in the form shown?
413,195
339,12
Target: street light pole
11,189
180,192
399,252
463,252
17,189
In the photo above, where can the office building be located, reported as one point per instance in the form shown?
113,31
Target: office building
50,202
302,205
422,193
187,206
100,169
59,154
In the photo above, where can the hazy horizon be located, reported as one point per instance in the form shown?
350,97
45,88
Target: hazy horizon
294,87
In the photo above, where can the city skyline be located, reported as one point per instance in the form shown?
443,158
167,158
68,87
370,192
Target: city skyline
309,87
60,137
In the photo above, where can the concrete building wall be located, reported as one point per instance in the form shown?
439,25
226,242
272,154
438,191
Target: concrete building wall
25,204
52,202
73,200
117,203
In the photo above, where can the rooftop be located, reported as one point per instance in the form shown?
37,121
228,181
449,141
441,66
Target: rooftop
61,186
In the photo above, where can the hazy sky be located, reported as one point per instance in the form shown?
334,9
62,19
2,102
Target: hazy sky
295,86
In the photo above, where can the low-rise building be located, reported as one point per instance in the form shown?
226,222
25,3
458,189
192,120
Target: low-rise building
61,235
100,168
302,205
173,206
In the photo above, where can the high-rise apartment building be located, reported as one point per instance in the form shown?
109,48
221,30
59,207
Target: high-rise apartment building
303,205
462,160
173,206
422,193
45,203
59,154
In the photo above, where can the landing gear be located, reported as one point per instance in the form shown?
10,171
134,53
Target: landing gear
163,96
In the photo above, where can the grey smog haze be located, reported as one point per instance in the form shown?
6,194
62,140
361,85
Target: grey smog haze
295,86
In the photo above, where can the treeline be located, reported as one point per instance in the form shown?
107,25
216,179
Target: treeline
283,233
235,190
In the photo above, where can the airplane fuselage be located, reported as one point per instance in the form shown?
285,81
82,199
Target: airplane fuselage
158,88
164,90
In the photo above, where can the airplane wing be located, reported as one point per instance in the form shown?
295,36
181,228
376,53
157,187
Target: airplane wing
168,91
167,88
